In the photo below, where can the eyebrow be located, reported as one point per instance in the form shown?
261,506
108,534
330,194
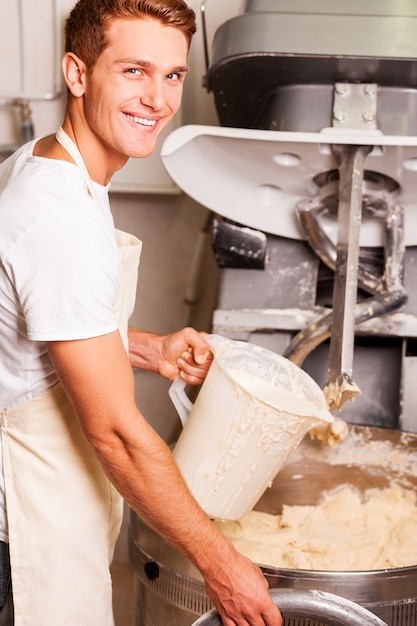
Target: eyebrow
180,69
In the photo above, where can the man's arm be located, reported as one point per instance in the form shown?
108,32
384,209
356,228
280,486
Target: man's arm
98,378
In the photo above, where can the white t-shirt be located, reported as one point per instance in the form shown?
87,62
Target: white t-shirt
59,271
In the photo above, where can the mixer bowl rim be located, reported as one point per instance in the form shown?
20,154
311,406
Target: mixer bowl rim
270,570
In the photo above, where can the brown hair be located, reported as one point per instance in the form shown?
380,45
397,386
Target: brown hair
87,23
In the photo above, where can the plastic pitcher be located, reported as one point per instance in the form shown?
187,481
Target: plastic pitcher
252,410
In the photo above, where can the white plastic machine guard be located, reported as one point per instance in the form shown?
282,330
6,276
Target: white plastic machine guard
256,177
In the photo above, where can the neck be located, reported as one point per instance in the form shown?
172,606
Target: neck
101,165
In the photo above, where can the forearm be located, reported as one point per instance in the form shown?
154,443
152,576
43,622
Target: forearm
146,476
144,349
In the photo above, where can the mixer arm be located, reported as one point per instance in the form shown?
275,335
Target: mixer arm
351,161
319,330
308,213
392,298
312,606
394,248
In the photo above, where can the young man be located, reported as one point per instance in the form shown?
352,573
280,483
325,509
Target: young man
72,436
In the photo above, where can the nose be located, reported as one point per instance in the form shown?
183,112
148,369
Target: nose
153,95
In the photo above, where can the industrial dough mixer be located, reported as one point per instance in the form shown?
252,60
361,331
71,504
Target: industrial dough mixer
316,157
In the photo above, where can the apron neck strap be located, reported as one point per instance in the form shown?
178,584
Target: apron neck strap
68,145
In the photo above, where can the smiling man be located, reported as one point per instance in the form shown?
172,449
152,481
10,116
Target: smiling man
73,440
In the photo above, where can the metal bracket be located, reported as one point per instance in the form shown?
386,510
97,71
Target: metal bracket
355,105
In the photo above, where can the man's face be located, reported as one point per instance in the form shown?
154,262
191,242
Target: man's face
136,86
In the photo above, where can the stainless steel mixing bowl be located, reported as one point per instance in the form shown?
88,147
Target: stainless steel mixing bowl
169,590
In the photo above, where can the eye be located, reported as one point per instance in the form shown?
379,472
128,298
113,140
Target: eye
176,77
135,71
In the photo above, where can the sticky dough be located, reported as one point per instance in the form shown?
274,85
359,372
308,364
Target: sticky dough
342,533
330,434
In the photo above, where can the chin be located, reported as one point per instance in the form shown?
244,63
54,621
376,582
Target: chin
141,151
141,154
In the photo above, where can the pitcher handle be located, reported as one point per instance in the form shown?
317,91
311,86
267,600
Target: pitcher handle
180,399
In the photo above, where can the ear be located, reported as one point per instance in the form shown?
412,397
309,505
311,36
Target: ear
73,70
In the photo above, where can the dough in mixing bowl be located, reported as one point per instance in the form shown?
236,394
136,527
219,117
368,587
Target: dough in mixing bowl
344,532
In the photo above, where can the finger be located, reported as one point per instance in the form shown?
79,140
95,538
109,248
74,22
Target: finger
189,360
226,621
201,354
192,376
199,348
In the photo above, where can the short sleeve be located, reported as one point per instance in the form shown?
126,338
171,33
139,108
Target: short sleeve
66,272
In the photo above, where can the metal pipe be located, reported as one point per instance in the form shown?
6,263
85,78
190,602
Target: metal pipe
23,45
318,331
26,122
203,11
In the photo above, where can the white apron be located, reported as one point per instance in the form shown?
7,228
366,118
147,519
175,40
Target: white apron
64,515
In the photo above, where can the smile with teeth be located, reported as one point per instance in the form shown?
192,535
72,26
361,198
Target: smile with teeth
140,120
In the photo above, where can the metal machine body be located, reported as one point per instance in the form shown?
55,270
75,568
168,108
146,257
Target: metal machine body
333,69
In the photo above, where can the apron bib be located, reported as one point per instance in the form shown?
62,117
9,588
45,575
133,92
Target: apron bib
64,515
